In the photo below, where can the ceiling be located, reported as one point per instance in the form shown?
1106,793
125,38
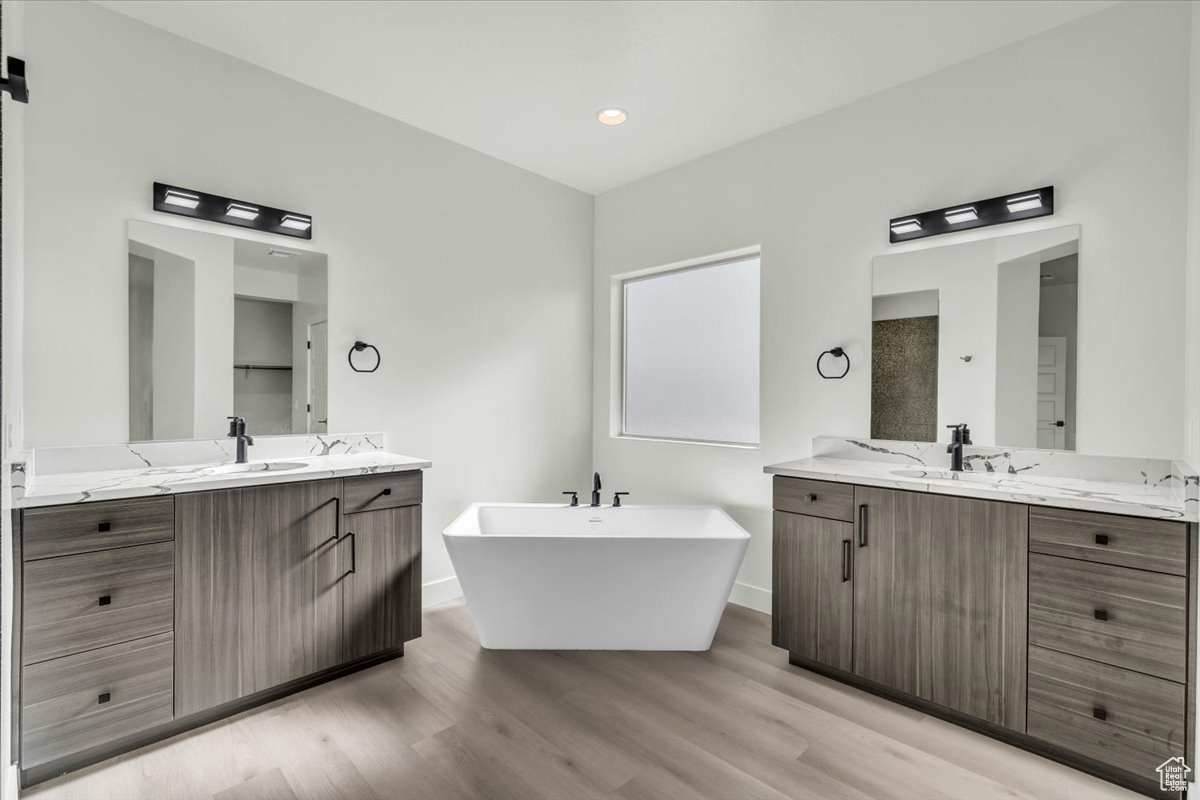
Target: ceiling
522,81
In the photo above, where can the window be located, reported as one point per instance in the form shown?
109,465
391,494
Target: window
691,353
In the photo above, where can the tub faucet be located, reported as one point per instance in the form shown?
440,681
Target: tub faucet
596,490
960,437
237,428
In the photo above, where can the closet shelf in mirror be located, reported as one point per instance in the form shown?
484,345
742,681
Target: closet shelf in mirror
263,366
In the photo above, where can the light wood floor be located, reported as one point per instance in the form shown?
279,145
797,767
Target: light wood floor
450,720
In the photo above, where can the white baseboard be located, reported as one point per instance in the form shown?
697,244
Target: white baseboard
440,591
754,597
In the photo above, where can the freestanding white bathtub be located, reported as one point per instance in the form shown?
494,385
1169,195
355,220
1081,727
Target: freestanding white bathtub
555,577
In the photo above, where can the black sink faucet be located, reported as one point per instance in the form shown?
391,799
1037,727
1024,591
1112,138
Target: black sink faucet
596,490
237,428
961,435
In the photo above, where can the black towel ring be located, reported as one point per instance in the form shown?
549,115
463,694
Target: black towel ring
836,352
358,348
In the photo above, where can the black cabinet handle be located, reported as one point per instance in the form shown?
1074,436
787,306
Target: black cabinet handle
812,498
103,698
388,490
105,600
1102,538
104,527
1100,614
862,525
353,551
845,560
1099,713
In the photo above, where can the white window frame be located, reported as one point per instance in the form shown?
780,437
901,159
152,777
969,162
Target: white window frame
621,340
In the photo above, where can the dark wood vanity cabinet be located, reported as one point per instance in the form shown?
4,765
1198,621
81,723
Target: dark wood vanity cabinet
145,617
258,572
1064,632
381,587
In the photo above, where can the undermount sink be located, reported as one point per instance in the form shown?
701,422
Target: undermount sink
943,475
260,466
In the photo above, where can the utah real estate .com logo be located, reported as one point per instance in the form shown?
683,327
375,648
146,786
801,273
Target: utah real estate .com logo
1172,775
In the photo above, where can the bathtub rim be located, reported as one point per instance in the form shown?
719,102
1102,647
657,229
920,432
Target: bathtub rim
740,533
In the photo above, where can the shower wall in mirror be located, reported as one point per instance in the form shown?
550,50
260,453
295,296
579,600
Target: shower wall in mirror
982,332
222,326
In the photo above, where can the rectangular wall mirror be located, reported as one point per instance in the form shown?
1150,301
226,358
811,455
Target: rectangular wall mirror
222,326
983,333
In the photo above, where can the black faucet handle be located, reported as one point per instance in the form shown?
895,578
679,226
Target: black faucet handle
595,481
617,498
574,498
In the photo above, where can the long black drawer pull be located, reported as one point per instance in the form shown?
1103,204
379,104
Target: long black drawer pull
845,560
105,600
1099,713
862,525
1100,614
103,698
104,527
353,550
1102,539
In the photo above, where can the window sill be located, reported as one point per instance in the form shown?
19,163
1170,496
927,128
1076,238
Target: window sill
667,440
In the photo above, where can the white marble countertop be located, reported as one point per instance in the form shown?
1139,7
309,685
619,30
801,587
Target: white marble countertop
81,475
1157,499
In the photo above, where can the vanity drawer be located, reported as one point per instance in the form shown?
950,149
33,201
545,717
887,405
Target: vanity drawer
81,602
1116,615
73,703
1128,720
385,490
85,527
1152,544
815,498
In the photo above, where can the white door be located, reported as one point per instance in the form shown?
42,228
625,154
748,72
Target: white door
1052,393
318,377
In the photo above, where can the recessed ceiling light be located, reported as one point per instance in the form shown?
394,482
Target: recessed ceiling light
612,116
241,211
178,198
280,253
958,215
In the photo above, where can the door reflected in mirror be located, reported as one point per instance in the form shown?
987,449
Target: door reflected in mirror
981,332
222,326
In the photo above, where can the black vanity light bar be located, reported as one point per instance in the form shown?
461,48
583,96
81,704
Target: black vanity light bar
211,207
978,214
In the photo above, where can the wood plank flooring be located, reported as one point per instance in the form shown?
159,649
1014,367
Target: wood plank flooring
451,720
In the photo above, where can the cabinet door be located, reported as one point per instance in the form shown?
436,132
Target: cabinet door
381,565
297,596
214,598
812,596
978,578
891,587
257,598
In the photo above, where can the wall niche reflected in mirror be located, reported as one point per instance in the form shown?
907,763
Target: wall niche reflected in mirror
222,326
983,332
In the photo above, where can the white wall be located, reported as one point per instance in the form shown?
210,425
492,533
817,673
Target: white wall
1018,284
1108,132
904,305
473,277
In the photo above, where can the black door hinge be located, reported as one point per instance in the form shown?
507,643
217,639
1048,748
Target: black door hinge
15,83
